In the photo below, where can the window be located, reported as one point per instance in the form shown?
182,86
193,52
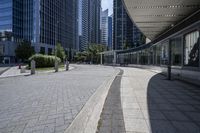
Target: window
191,49
158,54
176,52
1,50
49,51
151,56
42,50
164,54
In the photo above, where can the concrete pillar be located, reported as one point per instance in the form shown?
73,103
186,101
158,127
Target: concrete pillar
32,67
23,69
67,65
169,71
101,59
115,58
56,66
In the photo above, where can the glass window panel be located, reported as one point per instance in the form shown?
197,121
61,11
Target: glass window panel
158,54
191,49
164,53
176,52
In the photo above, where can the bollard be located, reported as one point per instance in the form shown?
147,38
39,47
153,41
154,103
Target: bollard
19,66
56,66
32,67
67,65
23,69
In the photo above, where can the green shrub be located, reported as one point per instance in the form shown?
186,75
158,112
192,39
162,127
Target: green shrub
44,60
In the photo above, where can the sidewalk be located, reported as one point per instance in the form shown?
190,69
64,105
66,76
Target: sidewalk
152,104
14,71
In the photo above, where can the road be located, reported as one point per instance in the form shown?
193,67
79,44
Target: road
48,103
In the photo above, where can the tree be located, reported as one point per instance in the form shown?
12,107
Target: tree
60,52
94,51
81,56
24,50
126,45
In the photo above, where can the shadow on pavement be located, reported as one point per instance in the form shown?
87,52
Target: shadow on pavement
112,120
173,106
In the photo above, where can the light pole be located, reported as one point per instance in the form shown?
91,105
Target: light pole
56,62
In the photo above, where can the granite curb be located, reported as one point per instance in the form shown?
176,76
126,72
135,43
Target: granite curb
87,120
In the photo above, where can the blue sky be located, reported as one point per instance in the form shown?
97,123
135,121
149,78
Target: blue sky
107,4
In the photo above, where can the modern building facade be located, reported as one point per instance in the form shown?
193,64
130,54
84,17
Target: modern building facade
91,10
174,30
11,26
125,33
43,23
104,28
110,32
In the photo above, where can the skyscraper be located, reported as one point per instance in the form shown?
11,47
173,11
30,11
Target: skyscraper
110,32
43,23
104,27
11,27
90,22
125,33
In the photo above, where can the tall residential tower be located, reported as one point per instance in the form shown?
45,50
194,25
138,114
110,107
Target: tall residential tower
104,27
90,18
110,32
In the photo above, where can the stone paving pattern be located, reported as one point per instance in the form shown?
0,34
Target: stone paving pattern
47,103
152,104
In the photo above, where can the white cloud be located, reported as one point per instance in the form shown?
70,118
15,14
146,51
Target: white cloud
107,4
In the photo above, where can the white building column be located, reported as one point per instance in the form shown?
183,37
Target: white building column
101,59
115,58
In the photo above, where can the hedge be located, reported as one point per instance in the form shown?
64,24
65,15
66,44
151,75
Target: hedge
44,60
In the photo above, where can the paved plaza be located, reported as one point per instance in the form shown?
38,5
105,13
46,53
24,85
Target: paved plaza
138,101
47,103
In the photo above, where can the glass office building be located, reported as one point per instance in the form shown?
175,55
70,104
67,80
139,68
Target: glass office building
11,19
44,23
125,33
6,15
11,28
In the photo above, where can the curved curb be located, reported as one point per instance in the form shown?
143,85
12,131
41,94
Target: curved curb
87,120
4,70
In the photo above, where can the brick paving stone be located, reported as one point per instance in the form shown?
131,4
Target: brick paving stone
48,102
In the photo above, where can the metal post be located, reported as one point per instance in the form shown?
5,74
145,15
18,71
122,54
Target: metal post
170,61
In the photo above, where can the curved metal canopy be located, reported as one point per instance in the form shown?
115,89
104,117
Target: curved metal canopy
153,17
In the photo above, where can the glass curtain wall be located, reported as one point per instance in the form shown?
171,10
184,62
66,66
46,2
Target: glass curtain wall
151,56
176,51
158,54
191,49
164,53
